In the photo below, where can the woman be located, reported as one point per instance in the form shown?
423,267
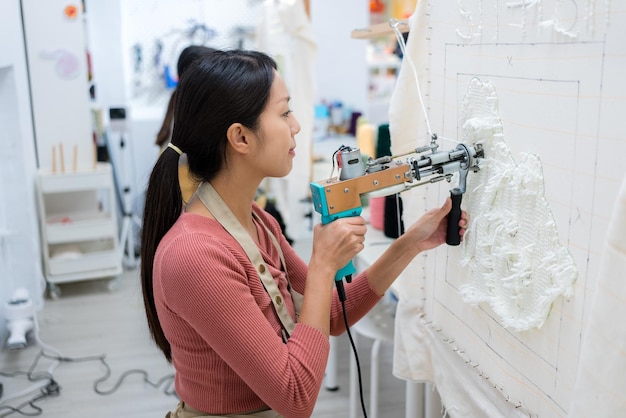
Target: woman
232,334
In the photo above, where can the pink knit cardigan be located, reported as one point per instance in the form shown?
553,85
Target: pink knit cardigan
225,336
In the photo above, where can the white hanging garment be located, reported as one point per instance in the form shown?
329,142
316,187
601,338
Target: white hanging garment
599,390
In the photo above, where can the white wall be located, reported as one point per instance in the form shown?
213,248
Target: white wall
58,76
19,239
341,66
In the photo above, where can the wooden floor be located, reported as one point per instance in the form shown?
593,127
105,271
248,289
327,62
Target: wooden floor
95,328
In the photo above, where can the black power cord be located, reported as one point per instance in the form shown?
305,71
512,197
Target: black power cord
342,297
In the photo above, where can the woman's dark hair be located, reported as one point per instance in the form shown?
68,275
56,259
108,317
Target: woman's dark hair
186,57
217,90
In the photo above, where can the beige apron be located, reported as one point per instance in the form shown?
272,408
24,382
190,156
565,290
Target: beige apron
220,211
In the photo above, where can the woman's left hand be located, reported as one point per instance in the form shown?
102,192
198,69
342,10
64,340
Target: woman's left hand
430,230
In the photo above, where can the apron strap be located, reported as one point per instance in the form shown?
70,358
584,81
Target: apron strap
222,213
297,298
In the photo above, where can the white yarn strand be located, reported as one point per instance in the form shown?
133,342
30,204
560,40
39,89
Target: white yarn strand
394,24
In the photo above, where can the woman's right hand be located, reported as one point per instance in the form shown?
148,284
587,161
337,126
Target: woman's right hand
338,242
334,245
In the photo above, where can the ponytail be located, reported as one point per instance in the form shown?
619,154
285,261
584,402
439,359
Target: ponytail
162,208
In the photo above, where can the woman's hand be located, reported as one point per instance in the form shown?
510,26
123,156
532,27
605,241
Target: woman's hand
338,242
430,230
334,245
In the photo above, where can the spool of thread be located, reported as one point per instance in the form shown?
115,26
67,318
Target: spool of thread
383,144
365,138
393,224
377,212
354,122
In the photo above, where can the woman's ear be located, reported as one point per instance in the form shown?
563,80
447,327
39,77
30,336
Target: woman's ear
238,137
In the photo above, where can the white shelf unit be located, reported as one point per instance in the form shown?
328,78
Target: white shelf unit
79,229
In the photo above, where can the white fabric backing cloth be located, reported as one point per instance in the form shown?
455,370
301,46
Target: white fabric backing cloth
600,389
285,33
479,367
421,350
